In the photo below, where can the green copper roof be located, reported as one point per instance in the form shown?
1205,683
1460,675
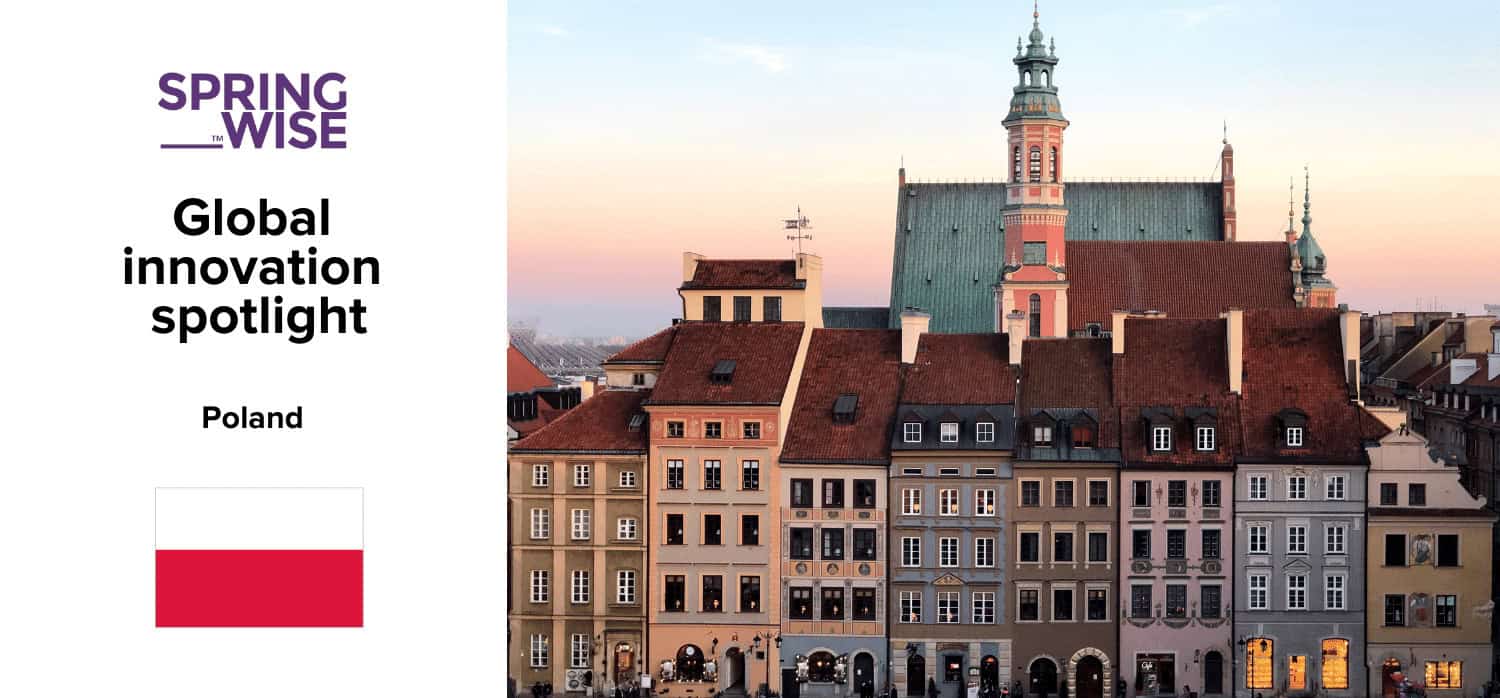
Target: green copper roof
949,245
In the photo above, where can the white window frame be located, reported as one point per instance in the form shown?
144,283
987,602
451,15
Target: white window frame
911,551
984,432
983,607
1296,539
1218,493
984,502
1264,489
948,432
911,501
948,502
1335,539
952,602
1296,487
582,523
984,552
911,432
1258,583
1294,437
541,474
627,478
578,656
681,467
1335,584
582,474
1161,439
625,586
627,528
1041,435
538,651
541,524
1340,481
1205,440
911,607
948,551
541,586
1296,593
579,593
1265,539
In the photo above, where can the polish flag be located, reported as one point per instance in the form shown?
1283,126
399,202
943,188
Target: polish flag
259,556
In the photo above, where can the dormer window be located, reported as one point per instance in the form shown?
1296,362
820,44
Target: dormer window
1292,423
844,408
1294,437
1084,436
1204,439
911,432
984,432
1041,435
1161,438
948,432
723,372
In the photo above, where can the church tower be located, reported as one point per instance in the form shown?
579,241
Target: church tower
1315,289
1034,280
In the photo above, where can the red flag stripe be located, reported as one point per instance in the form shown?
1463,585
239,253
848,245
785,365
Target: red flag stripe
259,588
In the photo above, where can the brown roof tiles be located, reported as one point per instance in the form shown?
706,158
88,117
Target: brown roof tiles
601,424
1181,279
652,349
763,353
865,363
745,273
961,369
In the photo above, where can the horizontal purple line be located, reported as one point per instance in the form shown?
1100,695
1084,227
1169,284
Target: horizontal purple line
168,146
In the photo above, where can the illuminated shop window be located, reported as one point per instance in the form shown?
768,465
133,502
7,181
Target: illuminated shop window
1335,664
1296,672
1258,656
1445,674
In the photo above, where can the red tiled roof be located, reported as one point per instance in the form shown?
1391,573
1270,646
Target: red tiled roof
1426,373
745,273
1370,426
1294,359
652,349
1181,279
1175,364
865,363
522,376
763,353
1072,372
600,423
544,415
961,369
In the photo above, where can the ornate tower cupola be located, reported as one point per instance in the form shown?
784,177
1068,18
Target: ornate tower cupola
1320,291
1034,279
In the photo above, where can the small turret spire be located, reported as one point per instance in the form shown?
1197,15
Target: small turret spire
1306,201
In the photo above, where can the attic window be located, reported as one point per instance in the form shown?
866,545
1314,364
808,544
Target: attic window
1041,435
984,432
844,407
636,420
1292,423
949,433
911,432
723,372
1294,437
1161,438
1084,436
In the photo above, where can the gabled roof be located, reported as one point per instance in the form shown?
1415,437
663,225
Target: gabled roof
652,349
599,425
1181,279
1072,372
949,246
1175,369
1294,359
745,274
763,353
522,376
960,369
864,363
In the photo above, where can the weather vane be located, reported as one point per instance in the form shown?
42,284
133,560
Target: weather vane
800,224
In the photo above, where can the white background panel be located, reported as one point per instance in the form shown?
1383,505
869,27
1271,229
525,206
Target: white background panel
259,518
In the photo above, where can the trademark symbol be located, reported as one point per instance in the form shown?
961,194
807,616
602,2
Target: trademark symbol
217,138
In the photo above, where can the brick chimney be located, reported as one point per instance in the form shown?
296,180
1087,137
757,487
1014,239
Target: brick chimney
913,325
1015,331
690,262
1234,339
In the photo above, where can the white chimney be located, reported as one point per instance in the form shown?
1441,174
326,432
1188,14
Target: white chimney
1494,356
913,325
1349,332
690,265
1015,331
1117,330
1234,338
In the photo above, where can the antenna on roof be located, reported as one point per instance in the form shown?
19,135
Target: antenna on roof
800,224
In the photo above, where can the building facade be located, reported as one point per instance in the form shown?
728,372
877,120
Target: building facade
578,547
1430,602
950,475
833,508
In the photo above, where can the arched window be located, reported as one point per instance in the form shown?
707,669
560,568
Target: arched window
1047,77
1336,664
1017,166
1036,315
1026,78
820,667
689,663
1052,166
1259,659
1036,164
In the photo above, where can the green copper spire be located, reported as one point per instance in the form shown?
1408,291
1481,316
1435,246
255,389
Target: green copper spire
1313,260
1035,91
1306,201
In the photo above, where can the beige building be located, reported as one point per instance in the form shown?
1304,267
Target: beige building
1428,572
578,530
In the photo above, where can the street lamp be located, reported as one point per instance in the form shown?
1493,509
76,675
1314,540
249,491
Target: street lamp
765,688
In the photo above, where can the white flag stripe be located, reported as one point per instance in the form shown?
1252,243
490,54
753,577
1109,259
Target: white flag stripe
259,518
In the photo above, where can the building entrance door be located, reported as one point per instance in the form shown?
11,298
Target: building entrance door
916,675
734,661
1388,685
1043,675
1213,673
1155,674
864,672
1090,678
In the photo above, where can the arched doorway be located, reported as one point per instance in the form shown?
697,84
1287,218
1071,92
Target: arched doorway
864,671
1388,685
1043,675
1213,673
624,669
689,663
734,667
1090,678
820,667
916,675
989,672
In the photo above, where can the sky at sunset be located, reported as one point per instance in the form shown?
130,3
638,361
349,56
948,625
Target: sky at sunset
639,130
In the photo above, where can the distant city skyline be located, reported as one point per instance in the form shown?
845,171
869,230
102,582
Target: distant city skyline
637,133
